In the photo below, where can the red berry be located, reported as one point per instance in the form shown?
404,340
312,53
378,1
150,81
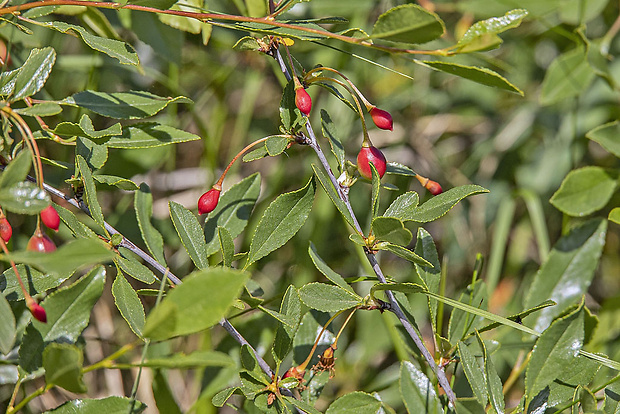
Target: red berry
368,155
40,242
295,372
208,201
38,312
50,217
381,118
303,102
433,187
6,231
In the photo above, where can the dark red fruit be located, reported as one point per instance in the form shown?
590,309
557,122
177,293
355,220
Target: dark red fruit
208,201
368,155
6,231
433,187
303,102
50,217
38,312
40,242
381,118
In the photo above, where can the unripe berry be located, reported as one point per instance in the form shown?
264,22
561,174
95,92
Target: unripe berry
50,217
433,187
381,118
40,242
208,201
365,157
303,102
37,311
6,231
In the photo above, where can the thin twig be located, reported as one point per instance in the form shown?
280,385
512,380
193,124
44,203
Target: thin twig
394,305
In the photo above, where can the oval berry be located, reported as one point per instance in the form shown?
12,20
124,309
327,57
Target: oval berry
40,242
38,312
381,118
433,187
303,102
50,217
368,155
6,231
208,201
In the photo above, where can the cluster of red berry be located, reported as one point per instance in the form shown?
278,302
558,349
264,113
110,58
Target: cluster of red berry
39,242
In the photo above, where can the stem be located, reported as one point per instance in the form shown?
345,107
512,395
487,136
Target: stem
105,362
335,344
362,97
27,296
29,398
316,342
355,99
218,184
395,307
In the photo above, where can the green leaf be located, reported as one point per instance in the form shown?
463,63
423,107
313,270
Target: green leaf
68,309
376,186
186,24
143,204
128,303
408,23
116,49
290,308
90,191
227,245
191,235
402,252
31,350
329,131
256,154
275,145
302,405
519,316
35,281
326,270
463,323
221,397
440,204
123,105
63,367
78,228
612,398
149,135
568,271
95,155
607,136
24,198
163,396
328,298
355,403
476,74
233,211
399,169
429,275
132,267
17,170
68,258
294,33
492,380
474,372
118,182
391,230
34,73
7,326
108,405
291,117
247,43
557,348
478,35
85,128
281,221
40,109
199,303
614,215
581,371
403,206
568,76
417,391
585,190
333,195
